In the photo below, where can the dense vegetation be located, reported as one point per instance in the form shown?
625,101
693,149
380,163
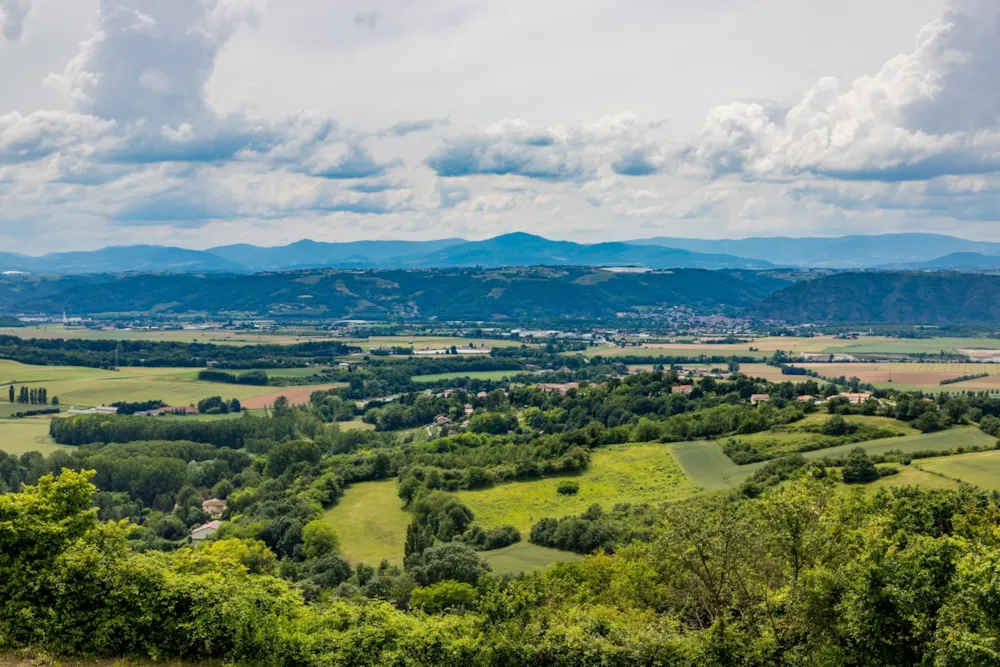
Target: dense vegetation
886,297
469,294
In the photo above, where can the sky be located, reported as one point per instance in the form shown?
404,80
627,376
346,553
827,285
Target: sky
199,123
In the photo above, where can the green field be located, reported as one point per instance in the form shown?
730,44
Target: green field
524,557
429,342
710,469
218,336
18,436
796,437
643,473
355,425
981,469
80,386
475,375
370,522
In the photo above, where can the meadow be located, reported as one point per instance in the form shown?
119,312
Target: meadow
86,387
370,522
525,557
475,375
980,469
18,436
640,473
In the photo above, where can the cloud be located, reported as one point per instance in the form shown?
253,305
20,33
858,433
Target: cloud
931,112
12,16
640,161
515,147
367,19
403,128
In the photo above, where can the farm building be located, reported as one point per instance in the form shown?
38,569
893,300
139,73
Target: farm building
855,399
205,531
759,398
215,507
682,389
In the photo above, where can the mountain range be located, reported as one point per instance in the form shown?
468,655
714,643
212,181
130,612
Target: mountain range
887,251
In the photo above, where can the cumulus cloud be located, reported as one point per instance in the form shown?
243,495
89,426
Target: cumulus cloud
931,112
12,16
515,147
640,161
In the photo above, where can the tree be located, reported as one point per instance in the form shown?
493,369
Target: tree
444,596
319,539
859,468
835,426
418,538
448,562
10,393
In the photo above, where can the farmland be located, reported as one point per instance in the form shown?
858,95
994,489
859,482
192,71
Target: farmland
218,336
18,436
926,376
474,375
295,395
643,473
981,469
79,386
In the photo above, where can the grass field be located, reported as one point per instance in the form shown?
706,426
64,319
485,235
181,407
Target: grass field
371,523
710,469
524,557
643,473
911,475
79,386
18,436
355,425
429,342
981,469
475,375
217,336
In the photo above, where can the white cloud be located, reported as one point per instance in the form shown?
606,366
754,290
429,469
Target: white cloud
931,112
12,16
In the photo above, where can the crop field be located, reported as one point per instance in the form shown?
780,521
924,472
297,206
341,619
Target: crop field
911,475
475,375
525,557
710,469
295,395
217,336
643,473
18,436
914,375
371,523
981,469
429,342
79,386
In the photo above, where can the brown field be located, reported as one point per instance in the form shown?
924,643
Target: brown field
295,395
925,376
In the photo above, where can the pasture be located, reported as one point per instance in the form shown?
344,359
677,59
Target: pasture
80,386
525,557
980,469
371,523
474,375
640,473
18,436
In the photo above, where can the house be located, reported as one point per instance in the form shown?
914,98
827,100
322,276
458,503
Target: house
106,410
806,399
561,388
759,398
682,389
855,399
442,421
468,409
203,532
214,507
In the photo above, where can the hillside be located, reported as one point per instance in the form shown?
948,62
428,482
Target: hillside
531,293
886,298
957,260
856,251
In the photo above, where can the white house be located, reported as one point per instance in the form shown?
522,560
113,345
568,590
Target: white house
205,531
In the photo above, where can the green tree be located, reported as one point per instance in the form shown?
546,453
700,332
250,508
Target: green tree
444,596
859,468
319,539
453,561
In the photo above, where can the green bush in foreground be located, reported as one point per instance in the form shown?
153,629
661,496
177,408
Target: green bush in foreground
803,575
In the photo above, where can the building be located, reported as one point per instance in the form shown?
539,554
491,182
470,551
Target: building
442,421
682,389
806,399
214,507
203,532
856,399
759,398
99,410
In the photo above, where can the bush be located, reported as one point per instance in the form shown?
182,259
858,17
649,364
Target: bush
454,561
859,468
568,488
444,596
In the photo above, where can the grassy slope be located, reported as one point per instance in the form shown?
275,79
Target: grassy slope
370,522
643,473
524,557
980,468
18,436
475,375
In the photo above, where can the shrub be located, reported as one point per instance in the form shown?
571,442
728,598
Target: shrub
568,488
444,596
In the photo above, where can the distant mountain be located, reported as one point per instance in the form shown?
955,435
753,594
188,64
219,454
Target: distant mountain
858,251
956,260
520,249
470,294
908,297
120,259
316,254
